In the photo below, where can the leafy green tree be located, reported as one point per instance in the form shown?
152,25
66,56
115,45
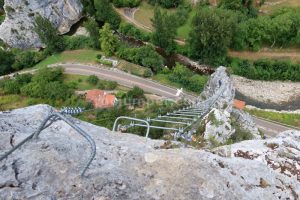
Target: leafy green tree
127,3
88,7
132,31
164,30
108,41
211,35
1,4
245,6
47,84
92,27
166,3
78,42
135,93
105,13
48,35
24,59
7,58
145,56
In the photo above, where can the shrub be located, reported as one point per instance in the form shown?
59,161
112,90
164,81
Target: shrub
24,59
135,93
166,3
266,69
127,3
147,73
78,42
104,62
92,27
11,87
92,79
120,95
132,31
145,56
48,35
111,85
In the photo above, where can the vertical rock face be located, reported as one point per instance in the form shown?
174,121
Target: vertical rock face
18,28
223,120
218,79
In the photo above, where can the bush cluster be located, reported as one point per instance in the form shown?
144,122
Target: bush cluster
182,75
266,69
145,56
166,3
45,84
132,31
126,3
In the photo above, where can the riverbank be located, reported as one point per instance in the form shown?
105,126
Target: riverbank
275,95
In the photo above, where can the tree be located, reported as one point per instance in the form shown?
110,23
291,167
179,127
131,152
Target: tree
88,7
245,6
211,35
48,34
105,13
145,56
92,27
135,93
24,59
1,4
164,30
7,58
107,40
166,3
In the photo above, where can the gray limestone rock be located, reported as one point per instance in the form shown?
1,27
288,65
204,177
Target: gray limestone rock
218,122
17,30
127,166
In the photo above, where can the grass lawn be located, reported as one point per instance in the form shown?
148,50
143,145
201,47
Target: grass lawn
144,14
285,118
81,56
8,102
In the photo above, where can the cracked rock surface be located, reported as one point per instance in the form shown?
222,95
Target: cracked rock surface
128,167
17,30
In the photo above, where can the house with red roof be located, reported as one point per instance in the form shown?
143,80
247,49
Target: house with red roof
101,99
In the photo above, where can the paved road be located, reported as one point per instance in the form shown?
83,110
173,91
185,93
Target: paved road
270,129
125,79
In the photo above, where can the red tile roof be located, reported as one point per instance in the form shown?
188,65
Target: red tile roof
100,98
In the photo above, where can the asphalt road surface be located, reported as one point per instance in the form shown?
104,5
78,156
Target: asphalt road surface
270,129
125,79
